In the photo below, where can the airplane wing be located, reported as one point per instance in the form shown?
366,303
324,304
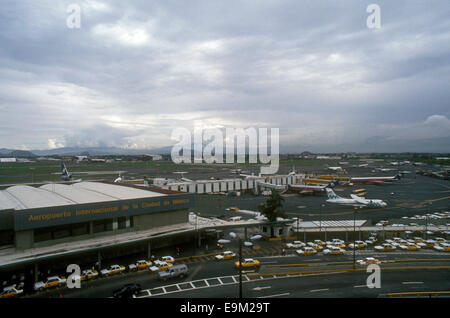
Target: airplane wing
359,199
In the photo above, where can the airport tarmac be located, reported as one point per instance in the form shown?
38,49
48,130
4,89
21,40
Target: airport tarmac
409,196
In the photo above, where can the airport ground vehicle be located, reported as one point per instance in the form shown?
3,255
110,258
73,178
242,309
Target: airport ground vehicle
140,265
225,255
52,281
173,271
112,270
127,291
247,262
88,274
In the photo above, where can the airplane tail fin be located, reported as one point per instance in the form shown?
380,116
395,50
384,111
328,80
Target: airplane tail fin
64,172
331,194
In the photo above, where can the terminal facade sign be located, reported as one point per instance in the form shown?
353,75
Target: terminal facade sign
71,214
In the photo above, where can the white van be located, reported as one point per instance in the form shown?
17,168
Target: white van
173,271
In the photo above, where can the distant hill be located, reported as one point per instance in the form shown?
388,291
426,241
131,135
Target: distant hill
101,151
9,153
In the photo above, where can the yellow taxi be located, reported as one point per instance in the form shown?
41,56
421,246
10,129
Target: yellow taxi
412,247
306,251
88,274
368,261
112,270
167,259
333,250
160,266
316,247
52,281
386,247
443,247
225,255
140,265
11,291
247,262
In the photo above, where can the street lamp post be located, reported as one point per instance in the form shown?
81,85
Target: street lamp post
240,268
354,235
320,222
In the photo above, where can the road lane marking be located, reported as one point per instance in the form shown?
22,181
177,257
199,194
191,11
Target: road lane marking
261,288
318,290
277,295
358,286
405,283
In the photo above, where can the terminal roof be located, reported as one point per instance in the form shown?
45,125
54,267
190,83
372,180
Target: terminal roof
21,197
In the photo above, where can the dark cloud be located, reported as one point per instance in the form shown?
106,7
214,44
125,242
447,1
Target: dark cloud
135,71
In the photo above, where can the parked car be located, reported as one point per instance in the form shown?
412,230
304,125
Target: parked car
295,244
52,281
368,260
333,250
386,247
88,274
160,266
167,259
112,270
12,291
306,251
140,265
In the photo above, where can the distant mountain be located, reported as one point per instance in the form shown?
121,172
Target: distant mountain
101,151
4,151
10,153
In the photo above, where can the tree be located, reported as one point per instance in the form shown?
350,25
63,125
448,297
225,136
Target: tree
271,208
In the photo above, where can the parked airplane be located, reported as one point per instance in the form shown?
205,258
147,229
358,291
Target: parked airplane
385,169
335,168
354,201
376,180
306,188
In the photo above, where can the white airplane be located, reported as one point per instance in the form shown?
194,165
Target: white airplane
354,201
182,176
376,180
335,168
303,188
362,165
385,169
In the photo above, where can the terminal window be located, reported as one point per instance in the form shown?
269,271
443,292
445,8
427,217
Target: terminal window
58,232
102,226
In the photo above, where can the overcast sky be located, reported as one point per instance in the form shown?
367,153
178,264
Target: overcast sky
135,70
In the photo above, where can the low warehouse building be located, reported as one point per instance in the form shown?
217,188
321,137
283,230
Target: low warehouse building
33,217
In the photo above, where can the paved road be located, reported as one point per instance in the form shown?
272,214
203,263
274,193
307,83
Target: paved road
206,268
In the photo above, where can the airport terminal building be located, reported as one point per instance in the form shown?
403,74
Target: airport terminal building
33,217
